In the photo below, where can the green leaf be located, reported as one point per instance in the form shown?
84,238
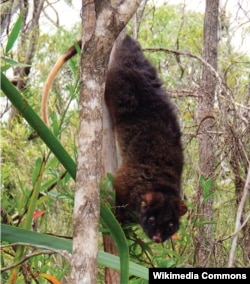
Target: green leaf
11,234
36,170
55,125
49,183
120,239
50,140
35,121
14,33
39,169
77,47
10,62
208,196
206,185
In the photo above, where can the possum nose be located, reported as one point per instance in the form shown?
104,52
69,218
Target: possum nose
157,239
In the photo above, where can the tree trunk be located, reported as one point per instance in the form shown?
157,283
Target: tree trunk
206,129
27,46
101,25
110,163
109,160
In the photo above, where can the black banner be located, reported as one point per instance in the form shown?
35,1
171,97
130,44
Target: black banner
165,274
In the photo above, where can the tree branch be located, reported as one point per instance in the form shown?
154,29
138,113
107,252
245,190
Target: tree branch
47,250
238,218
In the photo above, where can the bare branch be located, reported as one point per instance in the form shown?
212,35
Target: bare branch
54,22
188,54
239,229
47,250
238,218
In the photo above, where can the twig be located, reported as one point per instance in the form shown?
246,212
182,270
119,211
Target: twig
177,52
26,258
55,23
238,218
236,232
47,250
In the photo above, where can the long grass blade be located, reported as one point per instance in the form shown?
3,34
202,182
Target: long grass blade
13,234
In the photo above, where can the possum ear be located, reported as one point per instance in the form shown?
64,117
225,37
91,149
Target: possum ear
182,208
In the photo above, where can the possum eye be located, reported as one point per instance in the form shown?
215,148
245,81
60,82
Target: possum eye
151,221
170,226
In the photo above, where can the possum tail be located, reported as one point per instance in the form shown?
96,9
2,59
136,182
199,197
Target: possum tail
61,60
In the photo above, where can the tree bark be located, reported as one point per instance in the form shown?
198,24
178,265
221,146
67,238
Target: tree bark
206,122
102,22
238,220
27,46
110,163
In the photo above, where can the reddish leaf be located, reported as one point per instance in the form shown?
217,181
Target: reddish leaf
38,213
50,278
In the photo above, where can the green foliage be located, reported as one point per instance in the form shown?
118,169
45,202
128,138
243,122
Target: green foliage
11,234
14,34
41,170
106,215
119,237
34,120
8,62
206,186
164,28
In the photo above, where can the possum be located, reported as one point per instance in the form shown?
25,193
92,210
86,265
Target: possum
147,183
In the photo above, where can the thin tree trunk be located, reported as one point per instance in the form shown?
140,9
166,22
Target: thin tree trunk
109,166
238,220
110,163
206,123
27,48
101,25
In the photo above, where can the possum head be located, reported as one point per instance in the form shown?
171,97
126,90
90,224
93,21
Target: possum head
159,215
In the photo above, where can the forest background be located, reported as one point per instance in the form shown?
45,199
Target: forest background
37,193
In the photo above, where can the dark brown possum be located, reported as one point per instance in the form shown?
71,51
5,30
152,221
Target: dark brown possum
148,181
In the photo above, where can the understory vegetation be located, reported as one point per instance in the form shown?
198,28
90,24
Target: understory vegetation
38,192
